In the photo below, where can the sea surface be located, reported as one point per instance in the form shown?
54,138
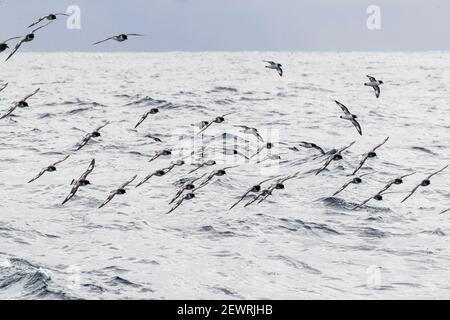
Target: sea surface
301,243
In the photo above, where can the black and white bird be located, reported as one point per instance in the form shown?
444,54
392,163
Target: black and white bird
379,195
355,180
370,154
424,183
187,196
120,191
219,119
187,186
375,84
50,168
275,66
120,38
254,189
349,116
28,38
250,130
145,115
334,157
81,182
49,17
89,136
21,104
4,44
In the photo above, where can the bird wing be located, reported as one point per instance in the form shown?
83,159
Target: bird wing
88,170
128,182
257,135
30,95
377,91
386,187
4,87
144,116
156,156
342,188
60,161
11,110
84,141
110,197
103,40
145,179
280,71
206,127
61,14
102,126
38,176
72,192
371,79
357,126
363,203
270,62
411,193
135,34
259,151
344,108
15,49
14,38
346,147
361,164
43,26
179,202
439,171
407,175
381,144
315,146
327,163
448,210
35,23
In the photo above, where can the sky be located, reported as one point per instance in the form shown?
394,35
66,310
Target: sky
235,25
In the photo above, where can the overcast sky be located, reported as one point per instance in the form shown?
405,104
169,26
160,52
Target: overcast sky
233,25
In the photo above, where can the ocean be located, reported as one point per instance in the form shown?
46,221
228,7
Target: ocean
300,243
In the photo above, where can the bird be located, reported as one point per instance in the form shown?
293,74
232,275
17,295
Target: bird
208,163
89,136
4,44
355,180
254,189
370,154
3,87
21,104
334,157
218,119
349,116
154,138
28,38
250,130
189,185
188,196
157,173
424,183
310,145
50,17
215,173
165,152
278,185
275,66
121,190
81,182
120,38
50,168
145,115
375,84
379,195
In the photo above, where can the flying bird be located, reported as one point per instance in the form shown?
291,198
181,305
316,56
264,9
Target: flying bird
188,196
4,44
215,173
189,185
424,183
81,182
334,157
120,37
89,136
370,154
275,66
158,154
254,189
145,115
250,130
28,38
310,145
208,163
21,104
264,194
120,191
219,119
50,168
50,17
355,180
375,84
349,116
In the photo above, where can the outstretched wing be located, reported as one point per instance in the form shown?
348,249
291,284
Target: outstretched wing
357,126
448,210
89,170
14,38
280,71
371,79
101,41
381,144
270,62
377,91
360,164
135,34
206,127
179,202
346,147
35,23
43,26
327,163
344,108
110,197
11,110
72,193
30,95
411,193
4,87
439,171
342,188
363,203
84,141
144,116
60,161
15,49
102,126
38,176
123,186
